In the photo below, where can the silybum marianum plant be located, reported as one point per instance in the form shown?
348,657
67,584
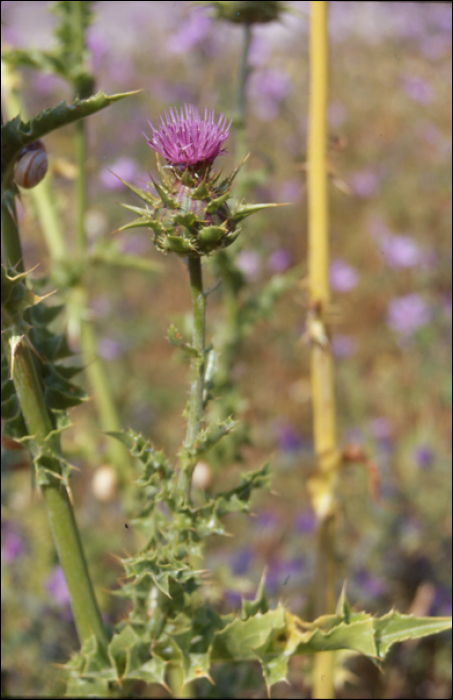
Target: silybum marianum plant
172,632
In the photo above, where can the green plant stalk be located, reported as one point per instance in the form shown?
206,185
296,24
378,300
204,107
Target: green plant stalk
58,250
197,371
324,419
87,616
10,235
241,106
195,414
232,336
80,189
105,405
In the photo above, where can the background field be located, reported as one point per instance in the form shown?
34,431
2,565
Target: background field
390,128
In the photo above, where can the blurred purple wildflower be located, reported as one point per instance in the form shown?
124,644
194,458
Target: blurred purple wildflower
442,603
406,314
364,183
381,428
109,349
249,263
289,191
279,260
241,561
282,572
305,522
57,588
268,89
167,91
417,89
343,277
13,545
124,168
401,251
370,585
342,346
289,439
186,139
191,33
267,520
101,306
135,244
434,47
423,456
233,599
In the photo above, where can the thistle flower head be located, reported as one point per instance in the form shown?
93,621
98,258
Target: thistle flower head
193,211
186,139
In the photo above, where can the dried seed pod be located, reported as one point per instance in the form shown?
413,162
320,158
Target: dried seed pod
31,165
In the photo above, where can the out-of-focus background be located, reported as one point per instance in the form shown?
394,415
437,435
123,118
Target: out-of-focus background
390,127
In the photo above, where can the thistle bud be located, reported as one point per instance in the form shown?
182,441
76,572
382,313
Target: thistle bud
246,12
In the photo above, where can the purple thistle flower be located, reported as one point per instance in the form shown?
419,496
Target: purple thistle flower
186,139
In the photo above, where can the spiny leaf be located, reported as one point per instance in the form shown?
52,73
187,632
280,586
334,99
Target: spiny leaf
241,211
154,462
208,437
175,338
395,627
238,499
16,134
145,196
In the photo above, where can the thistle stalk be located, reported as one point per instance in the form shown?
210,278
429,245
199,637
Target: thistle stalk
45,443
241,108
82,329
194,214
197,370
322,485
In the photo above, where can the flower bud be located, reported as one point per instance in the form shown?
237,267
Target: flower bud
246,12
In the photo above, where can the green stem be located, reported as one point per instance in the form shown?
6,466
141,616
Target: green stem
99,381
241,105
197,371
45,444
59,509
10,234
97,375
80,188
58,251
